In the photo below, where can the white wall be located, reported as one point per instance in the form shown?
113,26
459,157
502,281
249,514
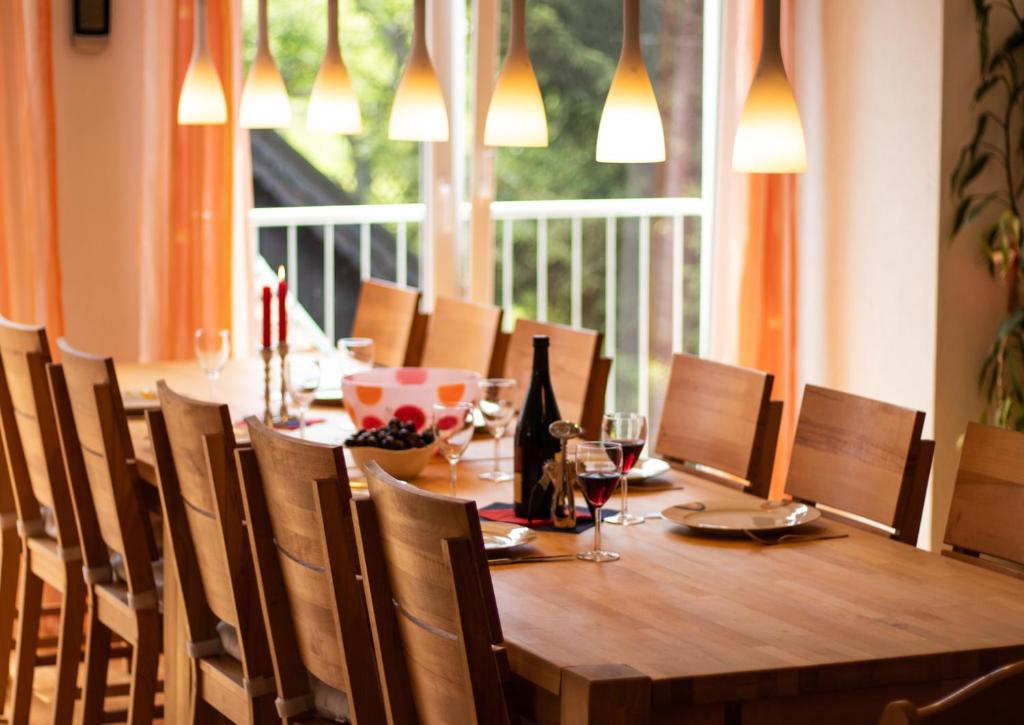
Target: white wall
99,146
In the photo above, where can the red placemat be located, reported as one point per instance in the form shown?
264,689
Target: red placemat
504,512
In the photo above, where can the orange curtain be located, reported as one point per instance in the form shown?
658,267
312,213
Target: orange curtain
192,215
30,279
768,300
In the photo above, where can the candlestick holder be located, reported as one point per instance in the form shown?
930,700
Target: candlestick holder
282,350
267,353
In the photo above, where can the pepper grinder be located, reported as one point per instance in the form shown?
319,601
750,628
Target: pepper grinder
563,503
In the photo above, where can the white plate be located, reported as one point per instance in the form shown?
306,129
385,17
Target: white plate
648,468
731,518
500,536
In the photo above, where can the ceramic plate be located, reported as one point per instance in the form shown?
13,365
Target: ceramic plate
730,518
499,536
648,468
137,402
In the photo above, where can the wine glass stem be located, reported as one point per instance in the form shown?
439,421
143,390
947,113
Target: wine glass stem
497,464
597,528
210,378
302,421
453,474
625,501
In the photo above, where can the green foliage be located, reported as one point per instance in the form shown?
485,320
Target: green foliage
998,144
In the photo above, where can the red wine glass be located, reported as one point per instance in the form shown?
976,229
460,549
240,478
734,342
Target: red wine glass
630,431
598,470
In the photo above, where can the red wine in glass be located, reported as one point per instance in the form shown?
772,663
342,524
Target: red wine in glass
631,449
598,486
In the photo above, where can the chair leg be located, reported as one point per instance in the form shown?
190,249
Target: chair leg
10,559
69,647
145,661
97,659
28,636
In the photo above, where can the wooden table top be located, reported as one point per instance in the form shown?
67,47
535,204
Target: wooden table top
707,619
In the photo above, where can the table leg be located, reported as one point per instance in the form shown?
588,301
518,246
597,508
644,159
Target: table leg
177,675
605,695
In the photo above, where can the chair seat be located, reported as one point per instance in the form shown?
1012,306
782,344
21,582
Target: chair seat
328,702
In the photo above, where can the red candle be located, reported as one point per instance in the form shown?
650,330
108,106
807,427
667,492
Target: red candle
266,317
282,314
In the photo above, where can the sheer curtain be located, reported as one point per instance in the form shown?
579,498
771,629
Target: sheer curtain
30,278
194,254
755,300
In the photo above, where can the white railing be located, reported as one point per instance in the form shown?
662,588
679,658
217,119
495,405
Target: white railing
506,215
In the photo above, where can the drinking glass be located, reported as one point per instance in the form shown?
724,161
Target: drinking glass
302,378
212,350
497,408
629,430
356,354
598,469
453,430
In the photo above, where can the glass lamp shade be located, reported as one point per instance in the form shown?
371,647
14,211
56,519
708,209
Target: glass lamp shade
516,115
333,105
264,96
770,136
418,112
630,130
201,101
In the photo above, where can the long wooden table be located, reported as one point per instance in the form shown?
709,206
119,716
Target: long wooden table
709,630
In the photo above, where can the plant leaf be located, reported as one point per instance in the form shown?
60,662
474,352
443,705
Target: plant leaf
972,171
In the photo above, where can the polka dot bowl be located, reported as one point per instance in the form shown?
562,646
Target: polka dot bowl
372,397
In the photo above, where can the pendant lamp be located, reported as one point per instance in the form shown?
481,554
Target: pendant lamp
264,96
770,136
333,105
630,130
418,112
201,100
516,116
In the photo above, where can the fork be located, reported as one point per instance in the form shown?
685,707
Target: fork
792,538
532,559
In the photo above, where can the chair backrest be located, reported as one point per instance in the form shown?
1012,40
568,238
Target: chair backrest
720,416
296,497
461,334
434,613
988,499
995,698
99,460
388,314
862,457
194,444
572,356
31,439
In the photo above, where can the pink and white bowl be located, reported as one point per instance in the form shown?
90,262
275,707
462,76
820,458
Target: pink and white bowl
372,397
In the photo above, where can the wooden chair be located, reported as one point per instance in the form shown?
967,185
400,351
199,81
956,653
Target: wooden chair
36,469
988,501
123,580
722,417
296,497
461,334
573,356
435,620
10,564
862,457
994,699
194,442
389,315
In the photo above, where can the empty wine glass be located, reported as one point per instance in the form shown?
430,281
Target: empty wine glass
630,431
302,378
356,354
453,430
497,408
598,470
212,350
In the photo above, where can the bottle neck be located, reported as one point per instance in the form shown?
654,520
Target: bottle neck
540,365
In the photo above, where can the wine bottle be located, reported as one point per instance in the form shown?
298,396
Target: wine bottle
535,445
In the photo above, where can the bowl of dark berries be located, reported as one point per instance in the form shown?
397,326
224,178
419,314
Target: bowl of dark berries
395,446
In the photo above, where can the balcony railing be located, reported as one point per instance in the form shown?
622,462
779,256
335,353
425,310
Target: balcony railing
527,226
